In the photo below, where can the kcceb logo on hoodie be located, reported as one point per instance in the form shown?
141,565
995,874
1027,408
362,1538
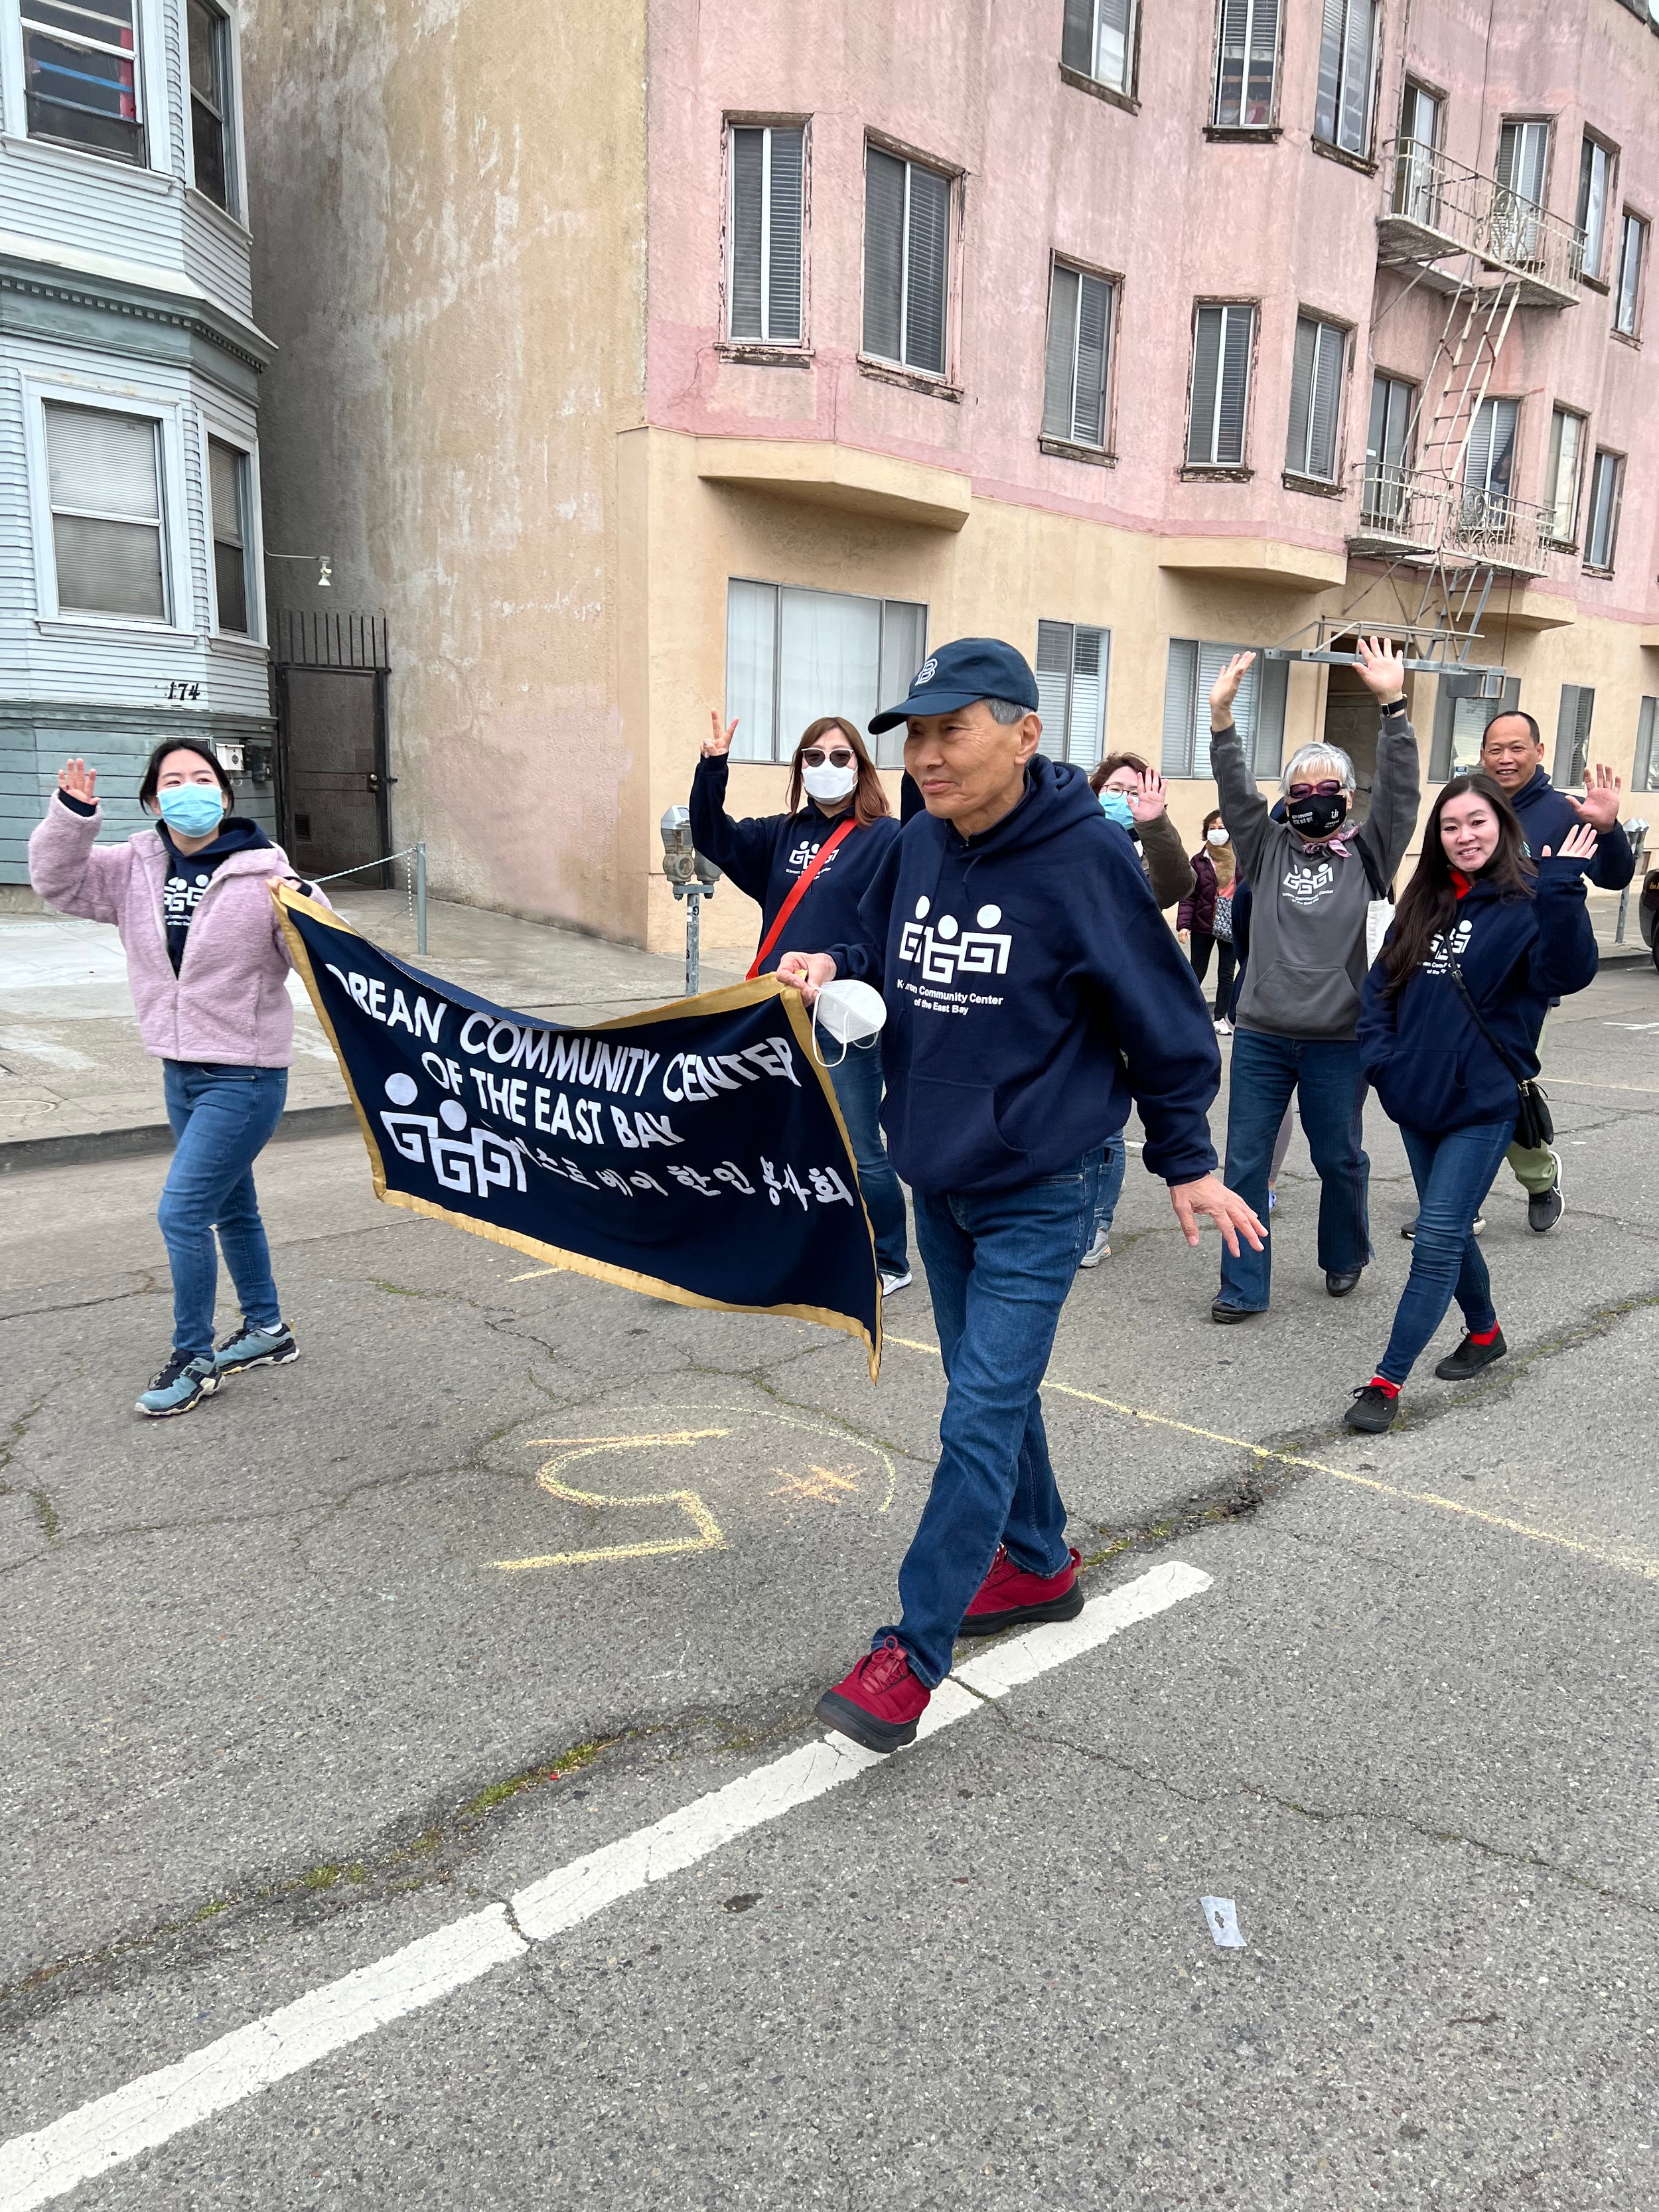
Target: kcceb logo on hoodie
944,949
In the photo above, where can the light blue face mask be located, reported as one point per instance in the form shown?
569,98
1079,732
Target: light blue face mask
1115,807
192,809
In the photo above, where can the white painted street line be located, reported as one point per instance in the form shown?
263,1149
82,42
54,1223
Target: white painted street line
96,2137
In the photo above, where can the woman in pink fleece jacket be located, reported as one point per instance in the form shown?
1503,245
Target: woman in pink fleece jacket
208,966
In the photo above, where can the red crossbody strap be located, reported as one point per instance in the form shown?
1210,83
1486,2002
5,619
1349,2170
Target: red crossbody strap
802,885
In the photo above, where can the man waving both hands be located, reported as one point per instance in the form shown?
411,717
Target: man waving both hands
1034,993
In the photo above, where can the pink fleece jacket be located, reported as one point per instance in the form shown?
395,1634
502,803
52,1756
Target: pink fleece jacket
228,1004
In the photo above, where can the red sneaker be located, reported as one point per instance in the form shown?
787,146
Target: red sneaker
880,1702
1008,1597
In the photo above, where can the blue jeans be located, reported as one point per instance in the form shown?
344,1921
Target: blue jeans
999,1265
1325,1077
857,1080
222,1118
1113,1161
1453,1174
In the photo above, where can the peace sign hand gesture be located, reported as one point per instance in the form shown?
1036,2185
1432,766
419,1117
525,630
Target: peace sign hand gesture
720,743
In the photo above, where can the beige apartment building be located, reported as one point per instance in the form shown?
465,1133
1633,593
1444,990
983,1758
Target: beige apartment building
642,361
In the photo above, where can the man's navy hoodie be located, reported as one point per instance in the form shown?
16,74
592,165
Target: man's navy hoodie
1034,992
1547,814
1424,1057
764,855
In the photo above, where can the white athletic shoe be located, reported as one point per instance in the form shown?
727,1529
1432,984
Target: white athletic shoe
1099,1250
1223,1027
892,1283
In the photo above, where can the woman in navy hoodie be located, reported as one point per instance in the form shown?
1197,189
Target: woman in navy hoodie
1517,936
834,794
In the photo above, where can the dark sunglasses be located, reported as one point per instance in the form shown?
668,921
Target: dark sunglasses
815,757
1329,789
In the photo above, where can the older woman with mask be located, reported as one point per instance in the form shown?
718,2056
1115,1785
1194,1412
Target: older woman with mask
1312,877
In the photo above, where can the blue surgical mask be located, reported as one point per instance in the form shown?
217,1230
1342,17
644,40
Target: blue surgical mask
192,809
1115,807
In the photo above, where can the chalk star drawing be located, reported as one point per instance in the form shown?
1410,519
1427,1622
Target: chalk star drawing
571,1449
824,1482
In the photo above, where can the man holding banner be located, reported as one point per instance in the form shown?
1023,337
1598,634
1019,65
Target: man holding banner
1034,993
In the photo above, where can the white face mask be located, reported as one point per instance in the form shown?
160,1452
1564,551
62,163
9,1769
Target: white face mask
828,781
1216,834
848,1011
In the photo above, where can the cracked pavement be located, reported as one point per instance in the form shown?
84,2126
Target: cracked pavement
279,1694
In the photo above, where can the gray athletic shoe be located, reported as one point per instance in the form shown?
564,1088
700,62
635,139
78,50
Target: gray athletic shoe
182,1383
1545,1207
248,1347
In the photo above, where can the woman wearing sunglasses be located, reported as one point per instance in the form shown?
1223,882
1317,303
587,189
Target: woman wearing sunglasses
836,824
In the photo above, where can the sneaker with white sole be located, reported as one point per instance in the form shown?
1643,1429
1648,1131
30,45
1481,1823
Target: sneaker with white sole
1097,1251
1545,1207
891,1282
248,1347
1409,1231
182,1383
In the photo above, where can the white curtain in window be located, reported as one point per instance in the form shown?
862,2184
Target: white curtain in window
829,661
752,621
1342,101
105,495
1633,237
1566,431
903,649
1644,771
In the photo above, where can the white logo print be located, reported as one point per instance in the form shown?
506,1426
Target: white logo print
804,852
1306,884
927,673
1443,950
946,949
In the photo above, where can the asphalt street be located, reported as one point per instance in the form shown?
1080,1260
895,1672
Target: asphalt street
339,1660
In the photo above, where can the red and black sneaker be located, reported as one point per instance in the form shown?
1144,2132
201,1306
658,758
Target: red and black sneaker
880,1702
1009,1597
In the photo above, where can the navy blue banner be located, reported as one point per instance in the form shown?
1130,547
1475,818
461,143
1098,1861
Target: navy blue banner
695,1152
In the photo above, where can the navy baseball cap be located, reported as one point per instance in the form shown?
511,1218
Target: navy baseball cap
969,668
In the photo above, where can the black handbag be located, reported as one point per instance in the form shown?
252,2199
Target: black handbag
1533,1128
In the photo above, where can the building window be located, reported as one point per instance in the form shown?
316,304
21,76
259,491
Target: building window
1387,450
1098,41
1632,253
1489,469
1416,187
1523,155
104,472
1572,737
764,281
210,99
1315,398
227,476
1258,711
907,247
1601,522
1644,769
1072,663
1342,102
1080,350
80,67
1247,65
1594,190
1222,338
1462,708
1561,483
792,656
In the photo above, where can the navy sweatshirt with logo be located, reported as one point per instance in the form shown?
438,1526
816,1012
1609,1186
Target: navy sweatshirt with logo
1425,1058
1034,992
764,855
1546,816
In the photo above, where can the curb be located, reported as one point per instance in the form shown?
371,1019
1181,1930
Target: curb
91,1145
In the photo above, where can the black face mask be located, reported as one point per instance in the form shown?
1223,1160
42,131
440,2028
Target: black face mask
1316,814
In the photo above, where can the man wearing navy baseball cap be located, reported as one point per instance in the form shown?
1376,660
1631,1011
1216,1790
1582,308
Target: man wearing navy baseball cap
1034,993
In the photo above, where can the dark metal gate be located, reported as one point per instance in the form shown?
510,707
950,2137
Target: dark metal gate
334,784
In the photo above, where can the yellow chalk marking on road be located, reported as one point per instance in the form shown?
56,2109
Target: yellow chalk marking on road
1632,1562
535,1272
821,1482
571,1449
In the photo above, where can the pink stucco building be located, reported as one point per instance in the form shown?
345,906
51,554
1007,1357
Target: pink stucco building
730,355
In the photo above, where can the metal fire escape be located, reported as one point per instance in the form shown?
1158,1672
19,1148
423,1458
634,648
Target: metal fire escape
1444,534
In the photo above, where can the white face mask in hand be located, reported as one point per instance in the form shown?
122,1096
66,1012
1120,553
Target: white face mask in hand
827,781
850,1012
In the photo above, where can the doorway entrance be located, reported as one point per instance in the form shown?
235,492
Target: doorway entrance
332,742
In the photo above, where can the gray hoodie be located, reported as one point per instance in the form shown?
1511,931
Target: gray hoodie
1308,964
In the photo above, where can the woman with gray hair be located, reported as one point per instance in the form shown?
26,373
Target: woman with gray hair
1312,877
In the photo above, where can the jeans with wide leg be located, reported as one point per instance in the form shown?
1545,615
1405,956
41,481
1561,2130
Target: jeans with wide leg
999,1264
857,1084
1324,1077
222,1118
1453,1174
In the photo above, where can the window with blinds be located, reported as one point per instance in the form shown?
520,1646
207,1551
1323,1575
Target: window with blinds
1247,65
1523,155
1594,193
1258,711
792,655
1483,507
1463,706
104,473
1572,736
228,485
1388,452
763,274
1079,351
210,99
1561,480
1222,338
907,254
1632,253
1072,662
1644,769
1601,517
1099,40
1321,350
81,75
1416,181
1347,56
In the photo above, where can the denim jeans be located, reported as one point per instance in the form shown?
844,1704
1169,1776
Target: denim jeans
1453,1174
1330,1092
1113,1161
999,1264
222,1118
857,1080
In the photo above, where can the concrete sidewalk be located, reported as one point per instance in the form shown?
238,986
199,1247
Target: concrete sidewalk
76,1082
